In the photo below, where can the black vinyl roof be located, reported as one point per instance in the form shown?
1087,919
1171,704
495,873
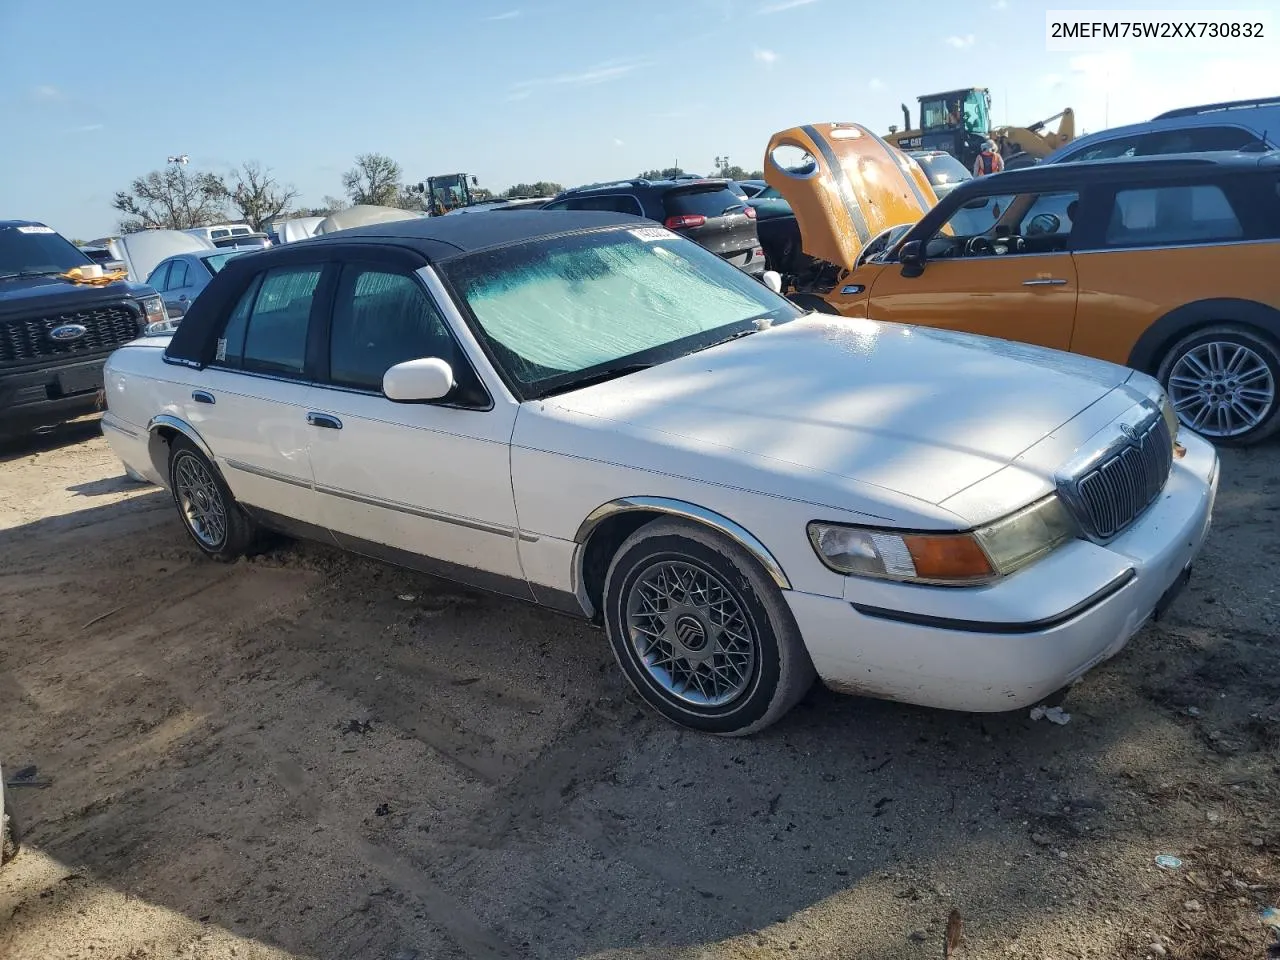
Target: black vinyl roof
441,238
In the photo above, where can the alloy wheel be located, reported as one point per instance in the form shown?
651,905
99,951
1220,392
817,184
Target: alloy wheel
200,501
1222,389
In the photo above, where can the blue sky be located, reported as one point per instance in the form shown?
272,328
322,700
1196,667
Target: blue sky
521,90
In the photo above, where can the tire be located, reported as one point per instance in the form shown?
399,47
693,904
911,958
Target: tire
202,498
763,669
8,832
1239,353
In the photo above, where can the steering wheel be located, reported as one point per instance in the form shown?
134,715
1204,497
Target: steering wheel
978,246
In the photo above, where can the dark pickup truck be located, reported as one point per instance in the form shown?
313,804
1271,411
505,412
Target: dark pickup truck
55,332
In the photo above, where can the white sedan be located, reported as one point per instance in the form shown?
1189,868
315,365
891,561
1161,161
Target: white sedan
586,411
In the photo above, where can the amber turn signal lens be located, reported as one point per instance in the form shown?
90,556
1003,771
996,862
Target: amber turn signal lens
948,557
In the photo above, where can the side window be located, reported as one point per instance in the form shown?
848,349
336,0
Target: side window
1199,213
1008,224
267,331
158,279
558,205
1197,140
380,319
977,216
617,203
177,275
1108,149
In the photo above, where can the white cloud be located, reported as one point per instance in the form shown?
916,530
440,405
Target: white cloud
509,15
600,73
961,42
783,5
519,95
47,92
767,57
1052,80
87,128
618,143
875,83
1000,5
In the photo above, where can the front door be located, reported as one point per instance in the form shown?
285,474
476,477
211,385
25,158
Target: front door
250,403
1000,267
427,485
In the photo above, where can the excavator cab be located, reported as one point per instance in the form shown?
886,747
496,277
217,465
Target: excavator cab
956,121
450,191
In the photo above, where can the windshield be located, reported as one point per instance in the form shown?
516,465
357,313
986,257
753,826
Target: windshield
566,309
219,260
33,249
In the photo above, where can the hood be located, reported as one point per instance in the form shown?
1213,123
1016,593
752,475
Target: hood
855,186
299,228
142,252
914,410
46,295
360,216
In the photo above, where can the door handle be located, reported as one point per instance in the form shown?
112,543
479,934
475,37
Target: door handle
183,298
202,396
324,420
1044,282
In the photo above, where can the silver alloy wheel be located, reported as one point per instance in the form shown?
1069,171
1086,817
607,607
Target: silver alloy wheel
690,633
1222,389
200,501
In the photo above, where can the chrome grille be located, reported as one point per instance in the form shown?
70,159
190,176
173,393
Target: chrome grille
106,327
1115,490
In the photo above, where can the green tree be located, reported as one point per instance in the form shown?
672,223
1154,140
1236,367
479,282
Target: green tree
666,173
736,172
375,180
258,196
543,188
172,199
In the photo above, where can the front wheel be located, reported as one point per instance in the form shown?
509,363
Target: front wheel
1222,382
701,633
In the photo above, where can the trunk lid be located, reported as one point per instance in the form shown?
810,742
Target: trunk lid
726,230
852,186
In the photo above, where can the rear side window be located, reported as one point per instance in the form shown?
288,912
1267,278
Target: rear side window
714,202
1197,140
1199,213
611,202
1108,149
267,331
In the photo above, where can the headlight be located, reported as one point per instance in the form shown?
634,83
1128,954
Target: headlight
1170,415
952,559
153,310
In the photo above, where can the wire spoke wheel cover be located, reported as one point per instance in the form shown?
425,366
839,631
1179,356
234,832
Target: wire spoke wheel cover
689,631
1222,389
200,501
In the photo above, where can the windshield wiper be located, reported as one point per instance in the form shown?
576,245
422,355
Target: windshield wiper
600,376
30,273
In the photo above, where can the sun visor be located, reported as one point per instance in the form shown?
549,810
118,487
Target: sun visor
845,185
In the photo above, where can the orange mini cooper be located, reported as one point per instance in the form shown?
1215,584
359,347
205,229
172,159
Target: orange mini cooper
1170,264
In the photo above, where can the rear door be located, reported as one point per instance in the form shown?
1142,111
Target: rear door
714,216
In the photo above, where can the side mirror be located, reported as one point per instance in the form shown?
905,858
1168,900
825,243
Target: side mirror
911,256
416,380
773,280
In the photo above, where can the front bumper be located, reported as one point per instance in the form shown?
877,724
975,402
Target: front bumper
1008,645
48,395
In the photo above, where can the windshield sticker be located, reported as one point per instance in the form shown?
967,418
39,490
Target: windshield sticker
221,353
651,233
29,229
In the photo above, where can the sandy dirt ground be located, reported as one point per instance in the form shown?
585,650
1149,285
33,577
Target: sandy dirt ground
310,755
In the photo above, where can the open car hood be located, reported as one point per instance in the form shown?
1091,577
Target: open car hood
856,186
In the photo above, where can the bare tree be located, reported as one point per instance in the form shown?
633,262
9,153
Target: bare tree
375,179
258,196
174,199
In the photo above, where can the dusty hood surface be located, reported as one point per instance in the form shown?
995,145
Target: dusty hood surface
856,186
922,412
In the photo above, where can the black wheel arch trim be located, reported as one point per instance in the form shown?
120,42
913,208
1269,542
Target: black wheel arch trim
1178,323
997,626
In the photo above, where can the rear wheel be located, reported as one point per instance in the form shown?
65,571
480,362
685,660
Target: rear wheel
210,513
701,633
1224,383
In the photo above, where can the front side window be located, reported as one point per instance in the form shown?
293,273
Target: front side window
267,331
158,280
1108,149
380,319
1009,224
559,310
177,275
1199,213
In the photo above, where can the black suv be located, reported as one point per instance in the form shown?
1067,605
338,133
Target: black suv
705,210
56,333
